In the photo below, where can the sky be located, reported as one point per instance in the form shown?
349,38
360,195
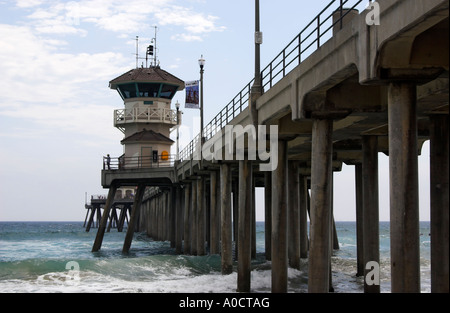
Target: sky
56,110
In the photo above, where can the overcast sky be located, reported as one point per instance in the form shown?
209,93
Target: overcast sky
56,110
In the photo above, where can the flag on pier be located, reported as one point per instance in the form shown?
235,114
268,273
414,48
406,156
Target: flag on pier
192,95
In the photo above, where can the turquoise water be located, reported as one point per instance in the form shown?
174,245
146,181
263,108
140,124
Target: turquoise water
57,257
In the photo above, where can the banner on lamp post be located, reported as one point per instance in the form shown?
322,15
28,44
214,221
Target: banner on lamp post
192,95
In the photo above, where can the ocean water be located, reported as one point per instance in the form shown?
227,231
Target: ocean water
56,257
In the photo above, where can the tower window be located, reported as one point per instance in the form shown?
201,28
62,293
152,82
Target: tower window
148,90
168,91
127,90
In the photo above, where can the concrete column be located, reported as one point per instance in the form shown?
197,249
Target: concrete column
215,215
253,220
226,229
303,217
279,221
268,215
179,220
294,214
172,213
194,222
235,187
133,218
201,217
404,190
187,214
371,236
439,133
359,221
245,225
102,227
159,214
320,211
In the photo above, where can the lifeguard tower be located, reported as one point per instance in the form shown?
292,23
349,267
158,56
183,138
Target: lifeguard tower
147,116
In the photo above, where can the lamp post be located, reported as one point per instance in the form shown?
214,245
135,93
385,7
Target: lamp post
256,89
201,62
177,105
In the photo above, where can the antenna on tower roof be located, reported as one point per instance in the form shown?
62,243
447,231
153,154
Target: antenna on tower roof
151,49
137,51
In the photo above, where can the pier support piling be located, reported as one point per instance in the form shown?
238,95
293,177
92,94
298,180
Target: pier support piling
179,220
133,219
102,227
294,214
321,176
201,217
194,216
226,229
404,193
279,221
303,217
187,224
371,236
439,206
359,220
245,225
268,215
215,214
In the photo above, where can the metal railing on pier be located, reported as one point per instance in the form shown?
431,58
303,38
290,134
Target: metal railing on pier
315,34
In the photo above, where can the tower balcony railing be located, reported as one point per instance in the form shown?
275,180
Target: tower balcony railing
141,162
145,115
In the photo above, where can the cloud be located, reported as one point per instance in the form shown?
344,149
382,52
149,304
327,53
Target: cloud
56,90
193,22
28,3
75,18
186,37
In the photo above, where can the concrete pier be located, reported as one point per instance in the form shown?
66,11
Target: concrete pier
368,89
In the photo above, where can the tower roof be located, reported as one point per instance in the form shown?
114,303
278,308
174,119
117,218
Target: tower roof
152,74
149,136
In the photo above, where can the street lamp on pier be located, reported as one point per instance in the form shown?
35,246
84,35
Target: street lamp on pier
201,63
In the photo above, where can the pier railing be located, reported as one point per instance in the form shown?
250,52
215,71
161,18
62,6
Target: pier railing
141,162
315,34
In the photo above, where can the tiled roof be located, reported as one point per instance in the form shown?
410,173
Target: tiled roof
147,135
147,75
